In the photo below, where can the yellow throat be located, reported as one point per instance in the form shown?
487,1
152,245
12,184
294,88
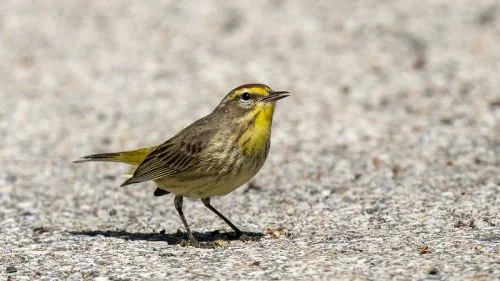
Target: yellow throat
258,132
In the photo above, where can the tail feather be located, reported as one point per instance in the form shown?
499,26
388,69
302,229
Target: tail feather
132,157
99,157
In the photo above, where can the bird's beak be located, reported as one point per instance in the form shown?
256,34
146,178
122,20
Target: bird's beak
274,96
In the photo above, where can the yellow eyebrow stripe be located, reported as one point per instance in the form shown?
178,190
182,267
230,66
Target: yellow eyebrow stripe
255,89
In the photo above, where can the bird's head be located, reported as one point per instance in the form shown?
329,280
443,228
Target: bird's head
250,109
251,99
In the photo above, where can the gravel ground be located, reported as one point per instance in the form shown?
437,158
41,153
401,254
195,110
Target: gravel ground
385,162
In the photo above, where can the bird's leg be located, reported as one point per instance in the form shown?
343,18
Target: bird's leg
206,202
178,207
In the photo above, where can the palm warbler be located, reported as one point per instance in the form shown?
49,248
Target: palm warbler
211,157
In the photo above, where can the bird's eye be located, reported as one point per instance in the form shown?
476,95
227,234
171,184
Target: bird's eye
245,97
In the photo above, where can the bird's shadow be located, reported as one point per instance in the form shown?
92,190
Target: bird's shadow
173,238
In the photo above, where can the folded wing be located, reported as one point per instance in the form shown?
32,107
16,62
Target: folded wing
179,154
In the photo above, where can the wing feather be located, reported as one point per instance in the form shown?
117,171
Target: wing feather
179,154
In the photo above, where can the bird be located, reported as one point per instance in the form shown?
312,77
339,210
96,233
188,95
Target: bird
211,157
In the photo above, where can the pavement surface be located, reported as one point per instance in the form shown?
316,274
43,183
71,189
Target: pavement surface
384,164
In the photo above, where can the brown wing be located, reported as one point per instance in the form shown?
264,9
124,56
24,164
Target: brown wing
178,154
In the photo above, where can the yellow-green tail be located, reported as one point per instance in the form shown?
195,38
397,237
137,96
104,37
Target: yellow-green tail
132,157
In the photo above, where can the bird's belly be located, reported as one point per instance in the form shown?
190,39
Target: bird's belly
209,186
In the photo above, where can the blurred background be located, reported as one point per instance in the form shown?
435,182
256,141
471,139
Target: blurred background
82,76
394,103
